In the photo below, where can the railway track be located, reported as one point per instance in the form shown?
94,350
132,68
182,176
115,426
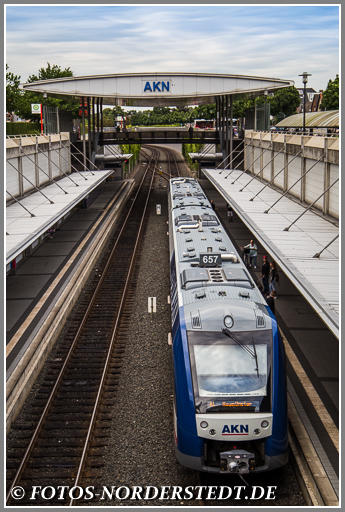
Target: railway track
172,163
173,167
63,448
67,436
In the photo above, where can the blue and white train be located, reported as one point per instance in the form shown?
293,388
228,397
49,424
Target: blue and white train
230,405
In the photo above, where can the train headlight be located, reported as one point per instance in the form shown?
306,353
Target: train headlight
204,424
265,423
257,431
228,321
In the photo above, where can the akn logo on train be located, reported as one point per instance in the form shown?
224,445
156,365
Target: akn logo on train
235,429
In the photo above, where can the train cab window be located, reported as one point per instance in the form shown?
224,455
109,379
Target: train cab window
231,369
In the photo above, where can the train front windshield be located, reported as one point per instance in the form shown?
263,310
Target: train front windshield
226,368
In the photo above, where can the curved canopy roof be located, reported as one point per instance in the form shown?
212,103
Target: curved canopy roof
150,89
327,119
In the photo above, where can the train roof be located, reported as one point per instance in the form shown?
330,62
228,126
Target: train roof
224,286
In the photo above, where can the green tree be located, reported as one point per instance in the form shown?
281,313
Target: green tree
285,101
118,111
13,93
330,98
28,97
242,105
207,112
108,117
51,71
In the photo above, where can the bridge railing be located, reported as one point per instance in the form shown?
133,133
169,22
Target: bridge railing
159,136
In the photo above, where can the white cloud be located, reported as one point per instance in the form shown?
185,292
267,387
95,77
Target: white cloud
158,39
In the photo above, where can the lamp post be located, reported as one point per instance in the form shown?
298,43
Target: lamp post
305,81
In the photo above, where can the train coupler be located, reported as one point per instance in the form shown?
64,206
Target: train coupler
237,461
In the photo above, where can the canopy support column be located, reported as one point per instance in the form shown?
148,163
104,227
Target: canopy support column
101,114
231,142
94,136
225,125
89,128
83,130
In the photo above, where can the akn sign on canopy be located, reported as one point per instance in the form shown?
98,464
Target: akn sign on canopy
157,86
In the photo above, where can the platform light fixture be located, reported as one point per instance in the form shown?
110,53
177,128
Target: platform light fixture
305,81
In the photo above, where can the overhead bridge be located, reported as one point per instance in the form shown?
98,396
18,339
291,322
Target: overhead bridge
157,89
160,136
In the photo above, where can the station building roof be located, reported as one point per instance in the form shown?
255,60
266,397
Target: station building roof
22,229
327,119
148,89
317,279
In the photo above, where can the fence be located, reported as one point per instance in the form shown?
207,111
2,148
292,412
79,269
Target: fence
304,166
34,161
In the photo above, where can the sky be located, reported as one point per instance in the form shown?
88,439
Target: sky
278,41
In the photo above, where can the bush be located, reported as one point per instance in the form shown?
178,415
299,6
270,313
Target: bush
191,148
21,128
130,148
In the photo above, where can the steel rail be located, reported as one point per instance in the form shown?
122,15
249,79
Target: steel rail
70,351
171,160
176,164
112,342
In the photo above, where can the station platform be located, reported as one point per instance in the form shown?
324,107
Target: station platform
317,279
35,214
35,274
312,352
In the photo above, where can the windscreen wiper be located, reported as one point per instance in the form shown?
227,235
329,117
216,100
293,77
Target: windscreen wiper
250,351
256,357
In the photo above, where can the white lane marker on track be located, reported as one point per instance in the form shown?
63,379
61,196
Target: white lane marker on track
152,305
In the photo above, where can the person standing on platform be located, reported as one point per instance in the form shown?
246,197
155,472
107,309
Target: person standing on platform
274,277
265,275
230,213
253,253
246,253
213,204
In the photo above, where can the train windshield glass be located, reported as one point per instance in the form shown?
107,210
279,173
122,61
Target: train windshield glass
224,370
224,367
